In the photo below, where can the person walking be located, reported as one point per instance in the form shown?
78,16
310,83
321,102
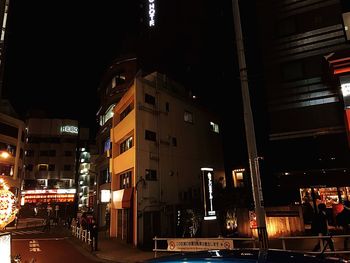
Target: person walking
94,234
319,226
47,225
343,220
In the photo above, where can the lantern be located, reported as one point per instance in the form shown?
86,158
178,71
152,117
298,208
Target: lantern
8,207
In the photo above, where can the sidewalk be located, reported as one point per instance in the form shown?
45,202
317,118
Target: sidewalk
115,250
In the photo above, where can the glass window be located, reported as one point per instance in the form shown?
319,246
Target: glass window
188,117
150,135
151,175
51,167
126,145
125,180
150,99
174,141
125,112
214,127
167,106
52,153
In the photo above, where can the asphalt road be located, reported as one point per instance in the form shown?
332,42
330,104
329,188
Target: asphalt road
49,250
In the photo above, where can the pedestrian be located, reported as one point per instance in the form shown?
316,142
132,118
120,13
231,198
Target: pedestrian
343,220
47,225
319,226
94,234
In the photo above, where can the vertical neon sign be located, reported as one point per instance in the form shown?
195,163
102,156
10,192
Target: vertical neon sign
208,178
151,12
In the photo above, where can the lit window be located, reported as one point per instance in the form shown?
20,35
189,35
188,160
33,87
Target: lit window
126,145
125,180
188,117
238,178
214,127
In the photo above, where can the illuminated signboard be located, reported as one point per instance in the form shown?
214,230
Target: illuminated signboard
208,178
69,129
5,247
105,196
151,12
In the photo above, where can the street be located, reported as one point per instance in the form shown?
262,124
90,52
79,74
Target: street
44,250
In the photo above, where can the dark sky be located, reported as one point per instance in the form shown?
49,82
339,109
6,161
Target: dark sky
57,52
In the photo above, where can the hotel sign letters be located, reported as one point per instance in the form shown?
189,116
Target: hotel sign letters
69,129
151,12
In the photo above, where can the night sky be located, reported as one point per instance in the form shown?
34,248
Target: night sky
57,52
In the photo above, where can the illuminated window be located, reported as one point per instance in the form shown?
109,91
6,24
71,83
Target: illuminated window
126,145
214,127
238,178
125,180
188,117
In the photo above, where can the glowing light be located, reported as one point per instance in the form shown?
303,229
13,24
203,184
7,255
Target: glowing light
345,89
4,155
69,129
151,12
8,208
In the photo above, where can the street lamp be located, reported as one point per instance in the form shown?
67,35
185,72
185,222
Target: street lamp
250,133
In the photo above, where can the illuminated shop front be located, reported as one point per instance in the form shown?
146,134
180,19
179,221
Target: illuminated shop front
48,196
327,195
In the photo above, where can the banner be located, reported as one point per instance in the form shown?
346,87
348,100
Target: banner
198,244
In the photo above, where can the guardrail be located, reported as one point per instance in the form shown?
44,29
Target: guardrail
320,240
82,234
241,242
216,240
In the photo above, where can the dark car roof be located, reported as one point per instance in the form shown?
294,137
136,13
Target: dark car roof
246,256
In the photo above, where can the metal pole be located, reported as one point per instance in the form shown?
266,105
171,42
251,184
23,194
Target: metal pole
250,132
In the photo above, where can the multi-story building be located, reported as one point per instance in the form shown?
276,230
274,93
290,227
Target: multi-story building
308,152
11,151
162,145
50,163
115,82
4,8
86,174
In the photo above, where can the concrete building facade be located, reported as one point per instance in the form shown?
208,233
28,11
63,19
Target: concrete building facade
160,141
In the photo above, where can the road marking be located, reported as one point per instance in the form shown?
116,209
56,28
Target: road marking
27,232
40,239
34,246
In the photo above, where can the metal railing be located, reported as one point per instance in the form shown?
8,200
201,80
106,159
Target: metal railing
82,234
241,242
158,248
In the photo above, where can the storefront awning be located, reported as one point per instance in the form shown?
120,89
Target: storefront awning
122,198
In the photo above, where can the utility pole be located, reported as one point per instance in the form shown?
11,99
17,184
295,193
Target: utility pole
250,132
